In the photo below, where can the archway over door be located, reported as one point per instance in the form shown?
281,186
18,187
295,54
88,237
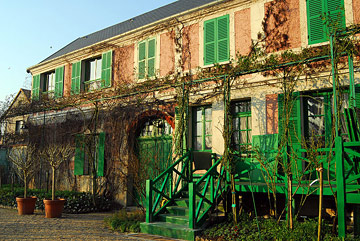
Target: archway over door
153,148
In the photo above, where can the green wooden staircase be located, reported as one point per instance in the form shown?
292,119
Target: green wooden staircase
179,202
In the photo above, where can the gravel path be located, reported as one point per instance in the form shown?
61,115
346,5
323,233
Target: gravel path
69,227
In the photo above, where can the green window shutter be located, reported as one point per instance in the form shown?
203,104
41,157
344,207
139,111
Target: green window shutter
223,38
357,96
151,57
79,155
76,78
101,148
36,87
295,119
59,82
106,69
142,59
209,42
294,124
336,13
316,27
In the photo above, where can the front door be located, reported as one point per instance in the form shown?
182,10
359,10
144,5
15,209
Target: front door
154,146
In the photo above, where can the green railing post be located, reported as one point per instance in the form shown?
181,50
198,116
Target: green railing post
351,78
340,184
149,213
191,205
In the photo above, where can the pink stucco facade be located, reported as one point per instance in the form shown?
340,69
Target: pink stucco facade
167,54
242,31
191,45
272,114
123,65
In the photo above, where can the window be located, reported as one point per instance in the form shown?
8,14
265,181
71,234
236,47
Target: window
92,79
50,83
202,132
324,17
19,125
92,74
146,58
89,150
3,128
155,128
216,40
241,137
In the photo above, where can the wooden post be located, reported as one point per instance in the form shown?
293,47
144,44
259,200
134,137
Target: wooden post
191,205
148,201
340,184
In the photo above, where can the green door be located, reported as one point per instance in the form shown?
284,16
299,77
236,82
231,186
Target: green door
154,150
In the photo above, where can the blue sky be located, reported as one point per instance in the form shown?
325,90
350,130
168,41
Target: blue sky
31,30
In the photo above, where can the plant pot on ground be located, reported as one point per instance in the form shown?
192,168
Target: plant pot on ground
54,208
55,154
26,205
24,160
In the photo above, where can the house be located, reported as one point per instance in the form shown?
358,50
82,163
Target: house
133,98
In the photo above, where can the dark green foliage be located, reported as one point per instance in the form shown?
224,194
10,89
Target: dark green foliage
76,202
125,222
246,229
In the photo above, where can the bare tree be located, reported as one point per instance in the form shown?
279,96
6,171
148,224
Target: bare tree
55,154
25,161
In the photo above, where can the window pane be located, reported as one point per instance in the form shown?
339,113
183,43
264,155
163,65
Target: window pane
208,128
198,115
208,142
243,123
197,143
92,70
199,129
208,114
98,69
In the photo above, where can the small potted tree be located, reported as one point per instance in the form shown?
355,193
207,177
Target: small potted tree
24,160
55,154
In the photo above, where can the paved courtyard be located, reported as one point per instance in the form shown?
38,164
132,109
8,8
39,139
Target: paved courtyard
69,227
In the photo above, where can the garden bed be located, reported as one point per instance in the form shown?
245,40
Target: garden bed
76,202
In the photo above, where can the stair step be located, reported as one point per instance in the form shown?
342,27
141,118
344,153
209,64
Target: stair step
169,230
184,202
179,211
171,218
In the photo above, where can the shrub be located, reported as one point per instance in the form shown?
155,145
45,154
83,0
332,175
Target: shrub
247,229
123,221
76,202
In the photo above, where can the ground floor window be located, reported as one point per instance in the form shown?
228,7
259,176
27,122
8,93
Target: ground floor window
241,135
202,132
89,152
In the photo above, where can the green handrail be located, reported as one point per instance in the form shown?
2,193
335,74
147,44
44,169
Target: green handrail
215,185
166,191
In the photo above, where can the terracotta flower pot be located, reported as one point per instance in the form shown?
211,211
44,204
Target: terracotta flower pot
26,205
54,208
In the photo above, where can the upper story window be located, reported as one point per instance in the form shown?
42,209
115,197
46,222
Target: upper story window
323,18
146,58
92,80
202,132
19,125
216,40
91,74
50,83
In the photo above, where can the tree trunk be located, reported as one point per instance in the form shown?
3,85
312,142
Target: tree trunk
53,184
25,186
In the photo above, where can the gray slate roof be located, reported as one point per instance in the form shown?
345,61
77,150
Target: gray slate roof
131,24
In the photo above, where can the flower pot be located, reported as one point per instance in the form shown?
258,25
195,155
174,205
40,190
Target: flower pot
26,205
54,208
